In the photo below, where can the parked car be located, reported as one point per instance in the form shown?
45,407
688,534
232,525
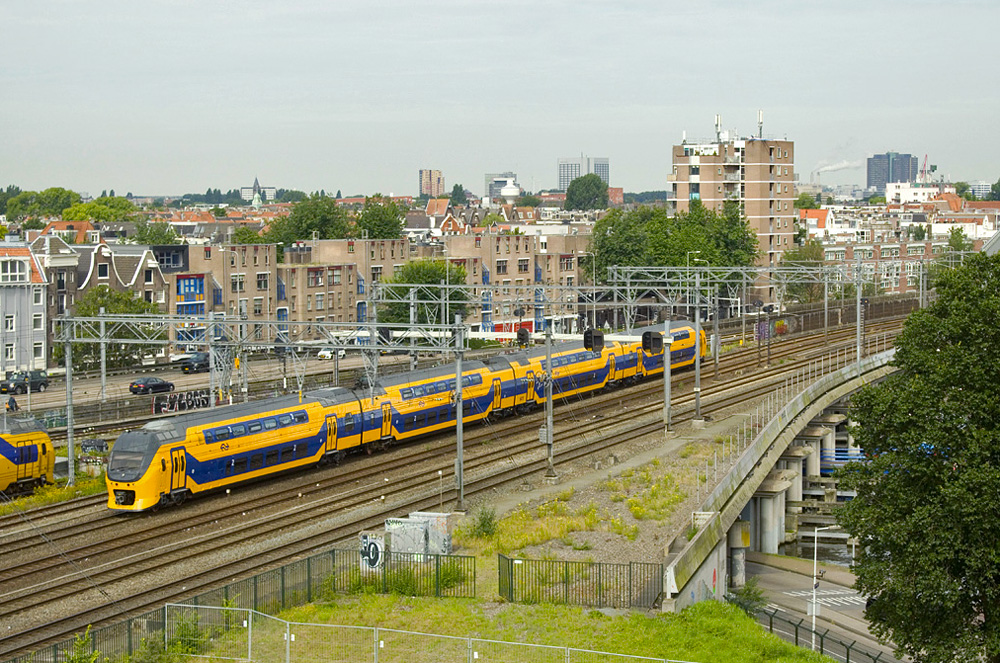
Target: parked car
327,353
94,445
19,381
150,386
198,361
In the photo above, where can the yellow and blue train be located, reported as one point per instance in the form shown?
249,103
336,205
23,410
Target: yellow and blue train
168,460
27,458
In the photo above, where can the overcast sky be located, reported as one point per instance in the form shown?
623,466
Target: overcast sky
158,97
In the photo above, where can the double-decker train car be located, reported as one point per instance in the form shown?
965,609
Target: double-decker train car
27,458
168,460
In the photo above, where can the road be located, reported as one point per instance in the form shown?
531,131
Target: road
841,609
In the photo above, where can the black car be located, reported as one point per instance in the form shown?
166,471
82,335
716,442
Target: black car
198,361
18,382
150,386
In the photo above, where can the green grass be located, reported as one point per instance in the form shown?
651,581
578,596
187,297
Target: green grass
709,632
58,492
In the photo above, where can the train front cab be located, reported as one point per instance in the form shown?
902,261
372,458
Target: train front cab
27,458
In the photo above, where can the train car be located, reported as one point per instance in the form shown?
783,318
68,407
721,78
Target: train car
27,458
682,351
407,405
168,460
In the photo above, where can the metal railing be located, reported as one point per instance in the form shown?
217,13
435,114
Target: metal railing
320,576
591,584
798,632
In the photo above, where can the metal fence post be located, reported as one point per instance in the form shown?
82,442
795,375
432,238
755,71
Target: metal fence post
281,586
309,581
250,615
437,575
288,642
128,636
375,643
566,581
253,596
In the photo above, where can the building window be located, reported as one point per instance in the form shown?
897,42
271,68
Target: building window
336,276
566,263
38,296
309,302
13,270
236,283
350,247
102,271
208,253
501,265
320,301
36,321
522,266
262,280
8,351
377,273
38,350
314,278
479,242
258,306
148,276
8,323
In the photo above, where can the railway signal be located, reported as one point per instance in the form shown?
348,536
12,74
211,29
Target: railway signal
593,339
523,337
652,342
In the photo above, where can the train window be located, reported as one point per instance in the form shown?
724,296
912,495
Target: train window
301,450
240,465
284,419
238,429
450,384
44,449
348,423
227,467
406,393
409,422
254,427
221,434
163,465
270,424
418,391
271,458
256,461
300,417
287,453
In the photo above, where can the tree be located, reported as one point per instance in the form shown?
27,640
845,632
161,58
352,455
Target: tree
458,196
490,219
316,216
957,241
7,194
433,273
876,200
50,202
918,232
102,210
964,190
587,192
529,201
995,191
247,235
810,256
339,196
806,201
153,234
382,217
926,515
88,355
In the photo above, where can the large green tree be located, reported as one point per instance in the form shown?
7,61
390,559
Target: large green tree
317,216
153,233
6,194
458,196
247,235
811,257
995,191
50,202
87,356
927,513
382,217
104,210
806,201
433,273
587,192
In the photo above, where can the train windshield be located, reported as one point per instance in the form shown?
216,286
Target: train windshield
131,455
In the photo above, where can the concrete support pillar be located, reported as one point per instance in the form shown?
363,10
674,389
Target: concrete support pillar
795,491
851,444
812,460
739,541
829,446
772,524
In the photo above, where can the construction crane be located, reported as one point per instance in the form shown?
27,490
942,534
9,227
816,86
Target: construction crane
924,175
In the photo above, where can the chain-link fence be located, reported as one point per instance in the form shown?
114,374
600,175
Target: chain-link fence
228,634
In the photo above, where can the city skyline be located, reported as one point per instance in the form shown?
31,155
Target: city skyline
168,98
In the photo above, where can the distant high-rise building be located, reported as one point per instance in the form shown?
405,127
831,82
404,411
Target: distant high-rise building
571,168
890,167
757,173
431,183
496,181
980,189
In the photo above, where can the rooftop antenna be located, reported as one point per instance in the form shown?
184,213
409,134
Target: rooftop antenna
760,124
718,128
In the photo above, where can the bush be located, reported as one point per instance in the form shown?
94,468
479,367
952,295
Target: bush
485,526
749,597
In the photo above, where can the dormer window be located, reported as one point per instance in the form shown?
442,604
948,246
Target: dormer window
102,271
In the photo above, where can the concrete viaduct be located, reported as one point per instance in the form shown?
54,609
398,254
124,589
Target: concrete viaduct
750,503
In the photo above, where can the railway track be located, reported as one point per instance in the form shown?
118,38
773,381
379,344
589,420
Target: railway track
486,467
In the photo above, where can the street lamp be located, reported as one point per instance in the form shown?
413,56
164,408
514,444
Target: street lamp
594,283
816,578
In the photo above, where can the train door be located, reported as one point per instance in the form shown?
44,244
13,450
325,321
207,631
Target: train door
386,420
21,461
331,433
177,468
530,377
611,369
496,394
